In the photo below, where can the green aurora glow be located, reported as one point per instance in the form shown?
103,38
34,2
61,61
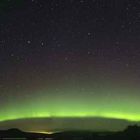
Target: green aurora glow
117,106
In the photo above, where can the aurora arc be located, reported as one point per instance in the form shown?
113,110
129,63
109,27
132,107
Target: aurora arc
117,107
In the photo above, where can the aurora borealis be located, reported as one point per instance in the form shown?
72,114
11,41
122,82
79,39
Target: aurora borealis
120,108
68,62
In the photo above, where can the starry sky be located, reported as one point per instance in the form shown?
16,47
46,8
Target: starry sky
64,59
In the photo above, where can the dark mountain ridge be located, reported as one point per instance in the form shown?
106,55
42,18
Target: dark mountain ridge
16,133
130,133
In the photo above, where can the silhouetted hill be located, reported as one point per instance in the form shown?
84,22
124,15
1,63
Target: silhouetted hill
130,133
16,133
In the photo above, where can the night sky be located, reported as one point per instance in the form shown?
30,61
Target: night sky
64,59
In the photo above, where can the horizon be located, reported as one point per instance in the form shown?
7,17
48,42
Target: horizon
52,125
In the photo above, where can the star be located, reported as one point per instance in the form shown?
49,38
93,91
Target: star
12,55
42,43
89,33
29,41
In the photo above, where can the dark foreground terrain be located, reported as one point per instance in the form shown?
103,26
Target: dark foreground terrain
130,133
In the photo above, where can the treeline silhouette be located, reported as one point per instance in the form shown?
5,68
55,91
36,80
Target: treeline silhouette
130,133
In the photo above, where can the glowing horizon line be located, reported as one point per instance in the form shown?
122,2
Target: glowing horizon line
119,116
